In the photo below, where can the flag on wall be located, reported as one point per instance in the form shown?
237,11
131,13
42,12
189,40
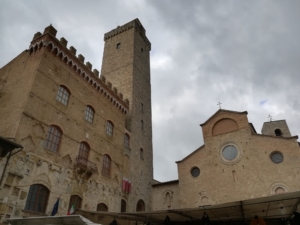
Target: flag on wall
71,210
55,208
126,185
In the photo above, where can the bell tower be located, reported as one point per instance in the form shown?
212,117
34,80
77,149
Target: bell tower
276,128
126,64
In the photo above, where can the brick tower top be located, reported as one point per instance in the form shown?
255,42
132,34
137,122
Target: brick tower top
134,24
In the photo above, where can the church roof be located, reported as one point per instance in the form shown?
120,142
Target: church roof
223,110
198,149
266,135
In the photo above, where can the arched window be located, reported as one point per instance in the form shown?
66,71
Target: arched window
75,201
83,156
140,206
89,114
102,207
123,205
37,198
141,153
63,95
53,138
109,128
142,124
126,140
106,165
278,132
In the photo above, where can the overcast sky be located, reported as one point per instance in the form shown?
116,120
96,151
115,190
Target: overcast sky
245,54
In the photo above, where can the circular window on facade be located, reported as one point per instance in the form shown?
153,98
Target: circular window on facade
195,171
230,152
276,157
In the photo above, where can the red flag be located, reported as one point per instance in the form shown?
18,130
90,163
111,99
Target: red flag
124,184
129,187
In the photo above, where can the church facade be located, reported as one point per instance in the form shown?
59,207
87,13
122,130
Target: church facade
235,163
87,138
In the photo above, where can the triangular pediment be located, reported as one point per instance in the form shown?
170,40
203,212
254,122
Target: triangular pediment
220,111
194,152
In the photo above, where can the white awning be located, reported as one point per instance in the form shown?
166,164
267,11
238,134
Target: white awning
53,220
269,208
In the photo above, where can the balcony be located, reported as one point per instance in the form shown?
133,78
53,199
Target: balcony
84,165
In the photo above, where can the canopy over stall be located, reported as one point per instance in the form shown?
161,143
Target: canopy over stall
269,208
53,220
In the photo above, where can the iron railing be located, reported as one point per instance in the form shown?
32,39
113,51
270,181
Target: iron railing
85,164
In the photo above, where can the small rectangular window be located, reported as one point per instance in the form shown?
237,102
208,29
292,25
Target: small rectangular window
118,45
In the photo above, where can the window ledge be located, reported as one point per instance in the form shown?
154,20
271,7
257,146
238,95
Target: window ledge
55,153
33,213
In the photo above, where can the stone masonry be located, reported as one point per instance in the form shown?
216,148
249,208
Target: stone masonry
29,87
251,173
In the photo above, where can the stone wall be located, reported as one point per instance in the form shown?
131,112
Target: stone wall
252,174
166,195
37,109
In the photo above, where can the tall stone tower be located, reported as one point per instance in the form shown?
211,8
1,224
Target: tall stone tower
126,65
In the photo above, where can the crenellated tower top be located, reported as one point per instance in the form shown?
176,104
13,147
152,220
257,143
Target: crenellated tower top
59,49
134,24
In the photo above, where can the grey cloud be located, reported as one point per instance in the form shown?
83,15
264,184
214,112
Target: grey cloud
236,52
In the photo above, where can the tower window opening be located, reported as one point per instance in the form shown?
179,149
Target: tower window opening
142,124
140,206
278,133
142,50
109,128
142,107
141,153
118,45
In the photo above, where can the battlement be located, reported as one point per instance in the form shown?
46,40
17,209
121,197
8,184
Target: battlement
134,24
59,49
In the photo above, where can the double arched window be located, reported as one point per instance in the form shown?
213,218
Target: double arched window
53,138
106,165
63,95
37,198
